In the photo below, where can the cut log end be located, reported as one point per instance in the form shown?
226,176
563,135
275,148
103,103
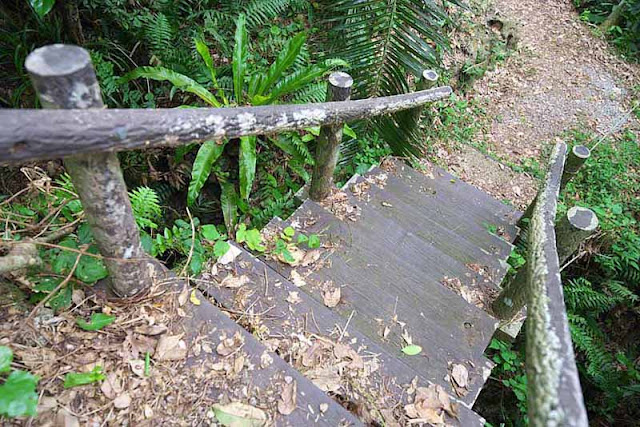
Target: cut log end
57,60
341,80
582,218
581,151
430,75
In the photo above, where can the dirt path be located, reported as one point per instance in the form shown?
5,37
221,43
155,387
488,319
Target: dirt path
562,77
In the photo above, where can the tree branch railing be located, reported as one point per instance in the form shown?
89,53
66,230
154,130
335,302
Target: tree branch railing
554,393
86,136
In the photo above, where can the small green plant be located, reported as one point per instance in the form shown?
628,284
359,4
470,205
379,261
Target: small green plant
146,207
97,322
76,379
509,370
18,395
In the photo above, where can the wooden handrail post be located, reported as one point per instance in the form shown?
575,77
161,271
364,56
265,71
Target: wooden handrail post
576,158
571,230
426,81
328,144
64,78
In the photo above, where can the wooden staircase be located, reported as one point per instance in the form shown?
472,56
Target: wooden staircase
407,256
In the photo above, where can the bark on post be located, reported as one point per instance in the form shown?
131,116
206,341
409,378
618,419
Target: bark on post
328,144
576,158
573,229
64,78
426,81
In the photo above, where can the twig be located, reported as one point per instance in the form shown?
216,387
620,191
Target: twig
4,202
346,326
193,242
55,291
615,126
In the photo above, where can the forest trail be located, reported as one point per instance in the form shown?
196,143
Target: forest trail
561,77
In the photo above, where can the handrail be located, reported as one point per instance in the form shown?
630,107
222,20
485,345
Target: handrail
27,135
554,393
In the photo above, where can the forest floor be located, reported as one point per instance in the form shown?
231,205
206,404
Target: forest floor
561,77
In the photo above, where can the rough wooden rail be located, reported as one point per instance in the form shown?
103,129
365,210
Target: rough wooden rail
554,393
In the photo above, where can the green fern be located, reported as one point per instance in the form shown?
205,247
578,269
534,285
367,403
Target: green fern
146,207
580,295
620,292
159,35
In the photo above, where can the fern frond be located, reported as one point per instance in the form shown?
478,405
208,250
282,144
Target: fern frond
146,207
620,292
315,92
580,295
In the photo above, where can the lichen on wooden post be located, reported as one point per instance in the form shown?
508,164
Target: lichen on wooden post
573,229
328,144
64,78
576,158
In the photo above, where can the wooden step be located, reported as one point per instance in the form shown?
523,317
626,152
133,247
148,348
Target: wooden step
263,376
477,271
390,278
453,196
375,383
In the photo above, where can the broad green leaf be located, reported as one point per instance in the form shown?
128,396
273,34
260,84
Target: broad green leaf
239,57
247,165
236,414
229,204
181,81
196,263
42,7
254,240
302,77
285,59
63,261
207,155
91,269
203,50
85,236
18,395
241,233
74,379
220,248
6,357
62,299
210,232
348,131
314,241
98,321
289,231
412,350
302,238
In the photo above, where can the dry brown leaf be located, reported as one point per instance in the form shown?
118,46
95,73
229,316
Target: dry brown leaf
240,414
111,386
123,401
171,347
297,279
326,379
287,401
460,379
184,296
265,360
229,345
310,258
344,351
293,298
296,253
151,330
331,297
430,405
137,367
234,282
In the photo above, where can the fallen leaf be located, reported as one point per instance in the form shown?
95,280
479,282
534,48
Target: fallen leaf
331,297
148,412
310,258
194,298
151,330
324,407
111,386
230,255
344,351
229,345
137,367
171,347
122,402
287,401
293,298
430,405
265,360
460,379
297,255
297,279
233,282
238,414
184,295
412,350
326,379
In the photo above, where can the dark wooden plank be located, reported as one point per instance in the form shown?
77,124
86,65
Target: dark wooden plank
451,191
262,300
383,276
486,269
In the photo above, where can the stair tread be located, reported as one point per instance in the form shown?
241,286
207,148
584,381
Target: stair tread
448,190
381,285
252,383
307,320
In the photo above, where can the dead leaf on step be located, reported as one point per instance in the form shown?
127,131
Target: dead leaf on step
184,296
229,345
331,297
460,379
344,351
297,279
194,298
293,298
265,360
234,282
310,258
287,402
230,255
240,415
430,405
326,379
123,401
297,255
171,347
